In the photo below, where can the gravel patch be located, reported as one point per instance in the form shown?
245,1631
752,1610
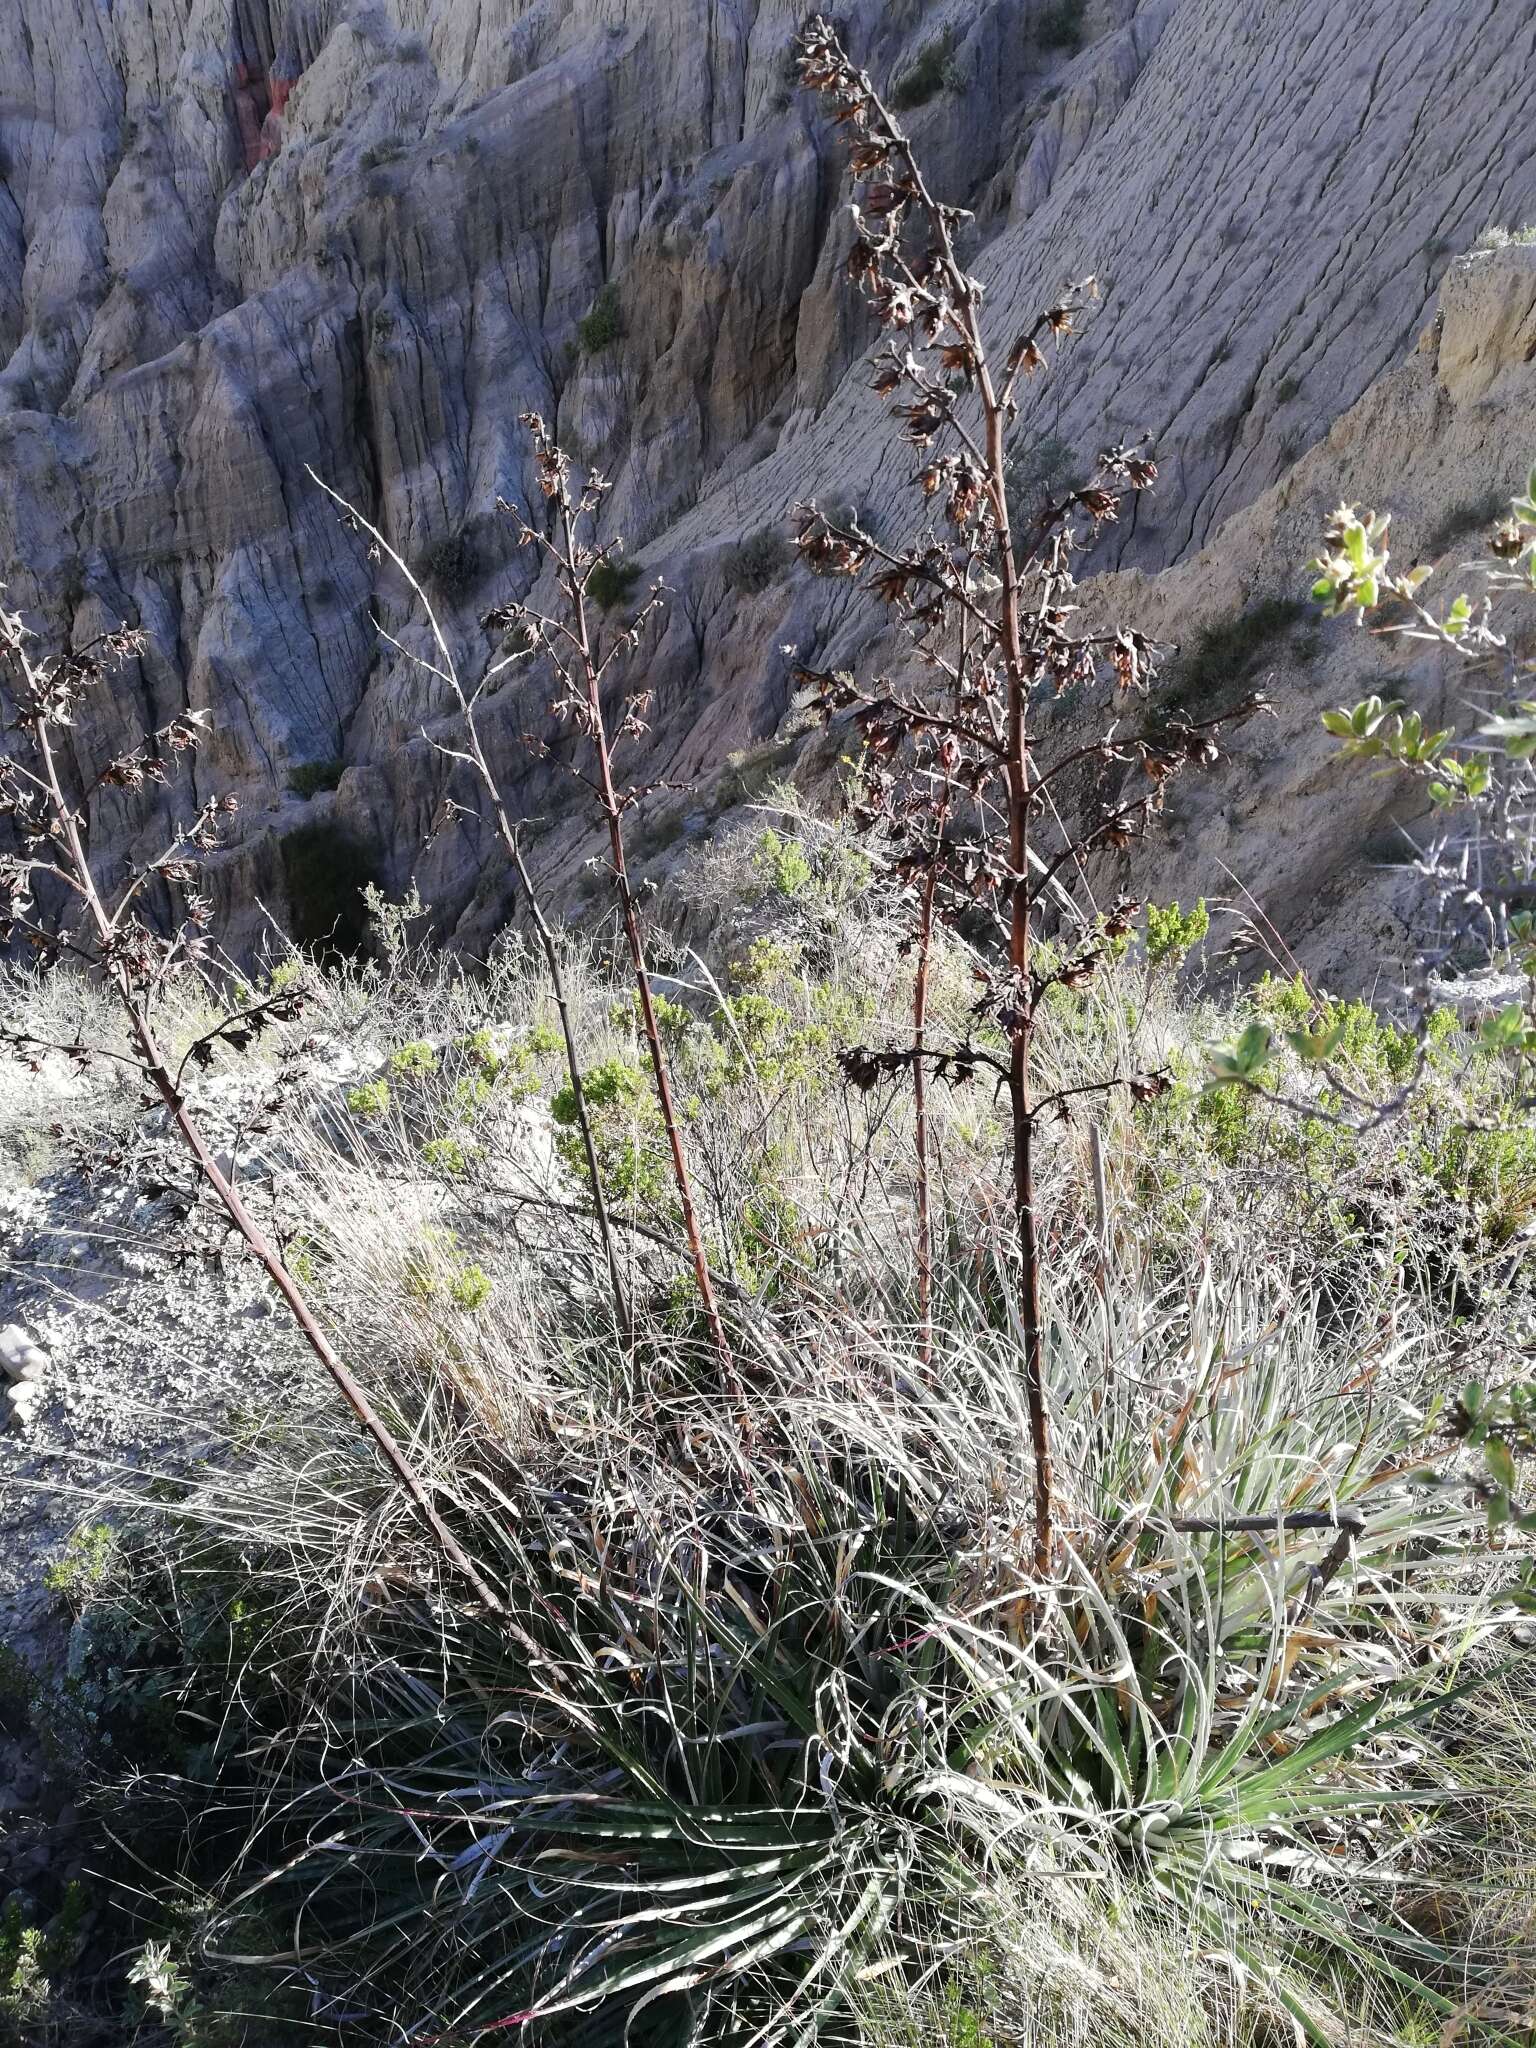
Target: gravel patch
142,1334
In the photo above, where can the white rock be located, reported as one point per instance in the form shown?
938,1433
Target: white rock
22,1359
21,1403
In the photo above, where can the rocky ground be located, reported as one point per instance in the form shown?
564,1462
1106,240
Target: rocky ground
146,1336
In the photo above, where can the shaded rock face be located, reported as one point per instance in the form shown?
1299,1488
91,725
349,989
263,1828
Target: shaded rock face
244,238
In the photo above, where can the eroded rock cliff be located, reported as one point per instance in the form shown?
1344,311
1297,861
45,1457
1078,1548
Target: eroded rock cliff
241,238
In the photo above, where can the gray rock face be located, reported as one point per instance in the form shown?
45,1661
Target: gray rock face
1301,841
243,237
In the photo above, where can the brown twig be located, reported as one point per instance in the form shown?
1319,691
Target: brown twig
131,961
476,758
582,675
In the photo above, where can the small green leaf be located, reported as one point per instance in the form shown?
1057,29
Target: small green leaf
1501,1463
1316,1045
1245,1059
1505,1030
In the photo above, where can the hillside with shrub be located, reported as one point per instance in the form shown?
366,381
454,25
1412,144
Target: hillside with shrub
872,1388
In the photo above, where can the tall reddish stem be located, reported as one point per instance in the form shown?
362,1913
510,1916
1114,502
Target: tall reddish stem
158,1069
613,812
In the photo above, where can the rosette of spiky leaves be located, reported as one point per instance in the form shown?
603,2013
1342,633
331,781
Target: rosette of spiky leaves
778,1719
989,833
735,1767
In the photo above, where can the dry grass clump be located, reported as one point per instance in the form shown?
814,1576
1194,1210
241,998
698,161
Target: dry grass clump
780,1736
777,1722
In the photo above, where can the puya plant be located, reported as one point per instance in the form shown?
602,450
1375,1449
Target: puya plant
52,902
443,669
985,827
581,657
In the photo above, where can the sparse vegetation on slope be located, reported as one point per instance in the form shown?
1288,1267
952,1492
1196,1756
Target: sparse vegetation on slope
604,324
933,71
904,1473
1224,1741
1228,653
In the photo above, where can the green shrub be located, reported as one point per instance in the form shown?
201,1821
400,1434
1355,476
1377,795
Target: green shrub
604,324
38,1954
626,1129
1060,26
934,71
368,1098
25,1990
767,963
1490,1172
611,583
309,778
85,1568
303,1255
763,1037
673,1020
781,863
756,562
479,1048
1173,933
286,974
472,1093
452,566
1369,1045
447,1156
469,1288
434,1270
413,1062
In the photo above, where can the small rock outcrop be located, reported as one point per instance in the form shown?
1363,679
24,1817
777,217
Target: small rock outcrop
24,1363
